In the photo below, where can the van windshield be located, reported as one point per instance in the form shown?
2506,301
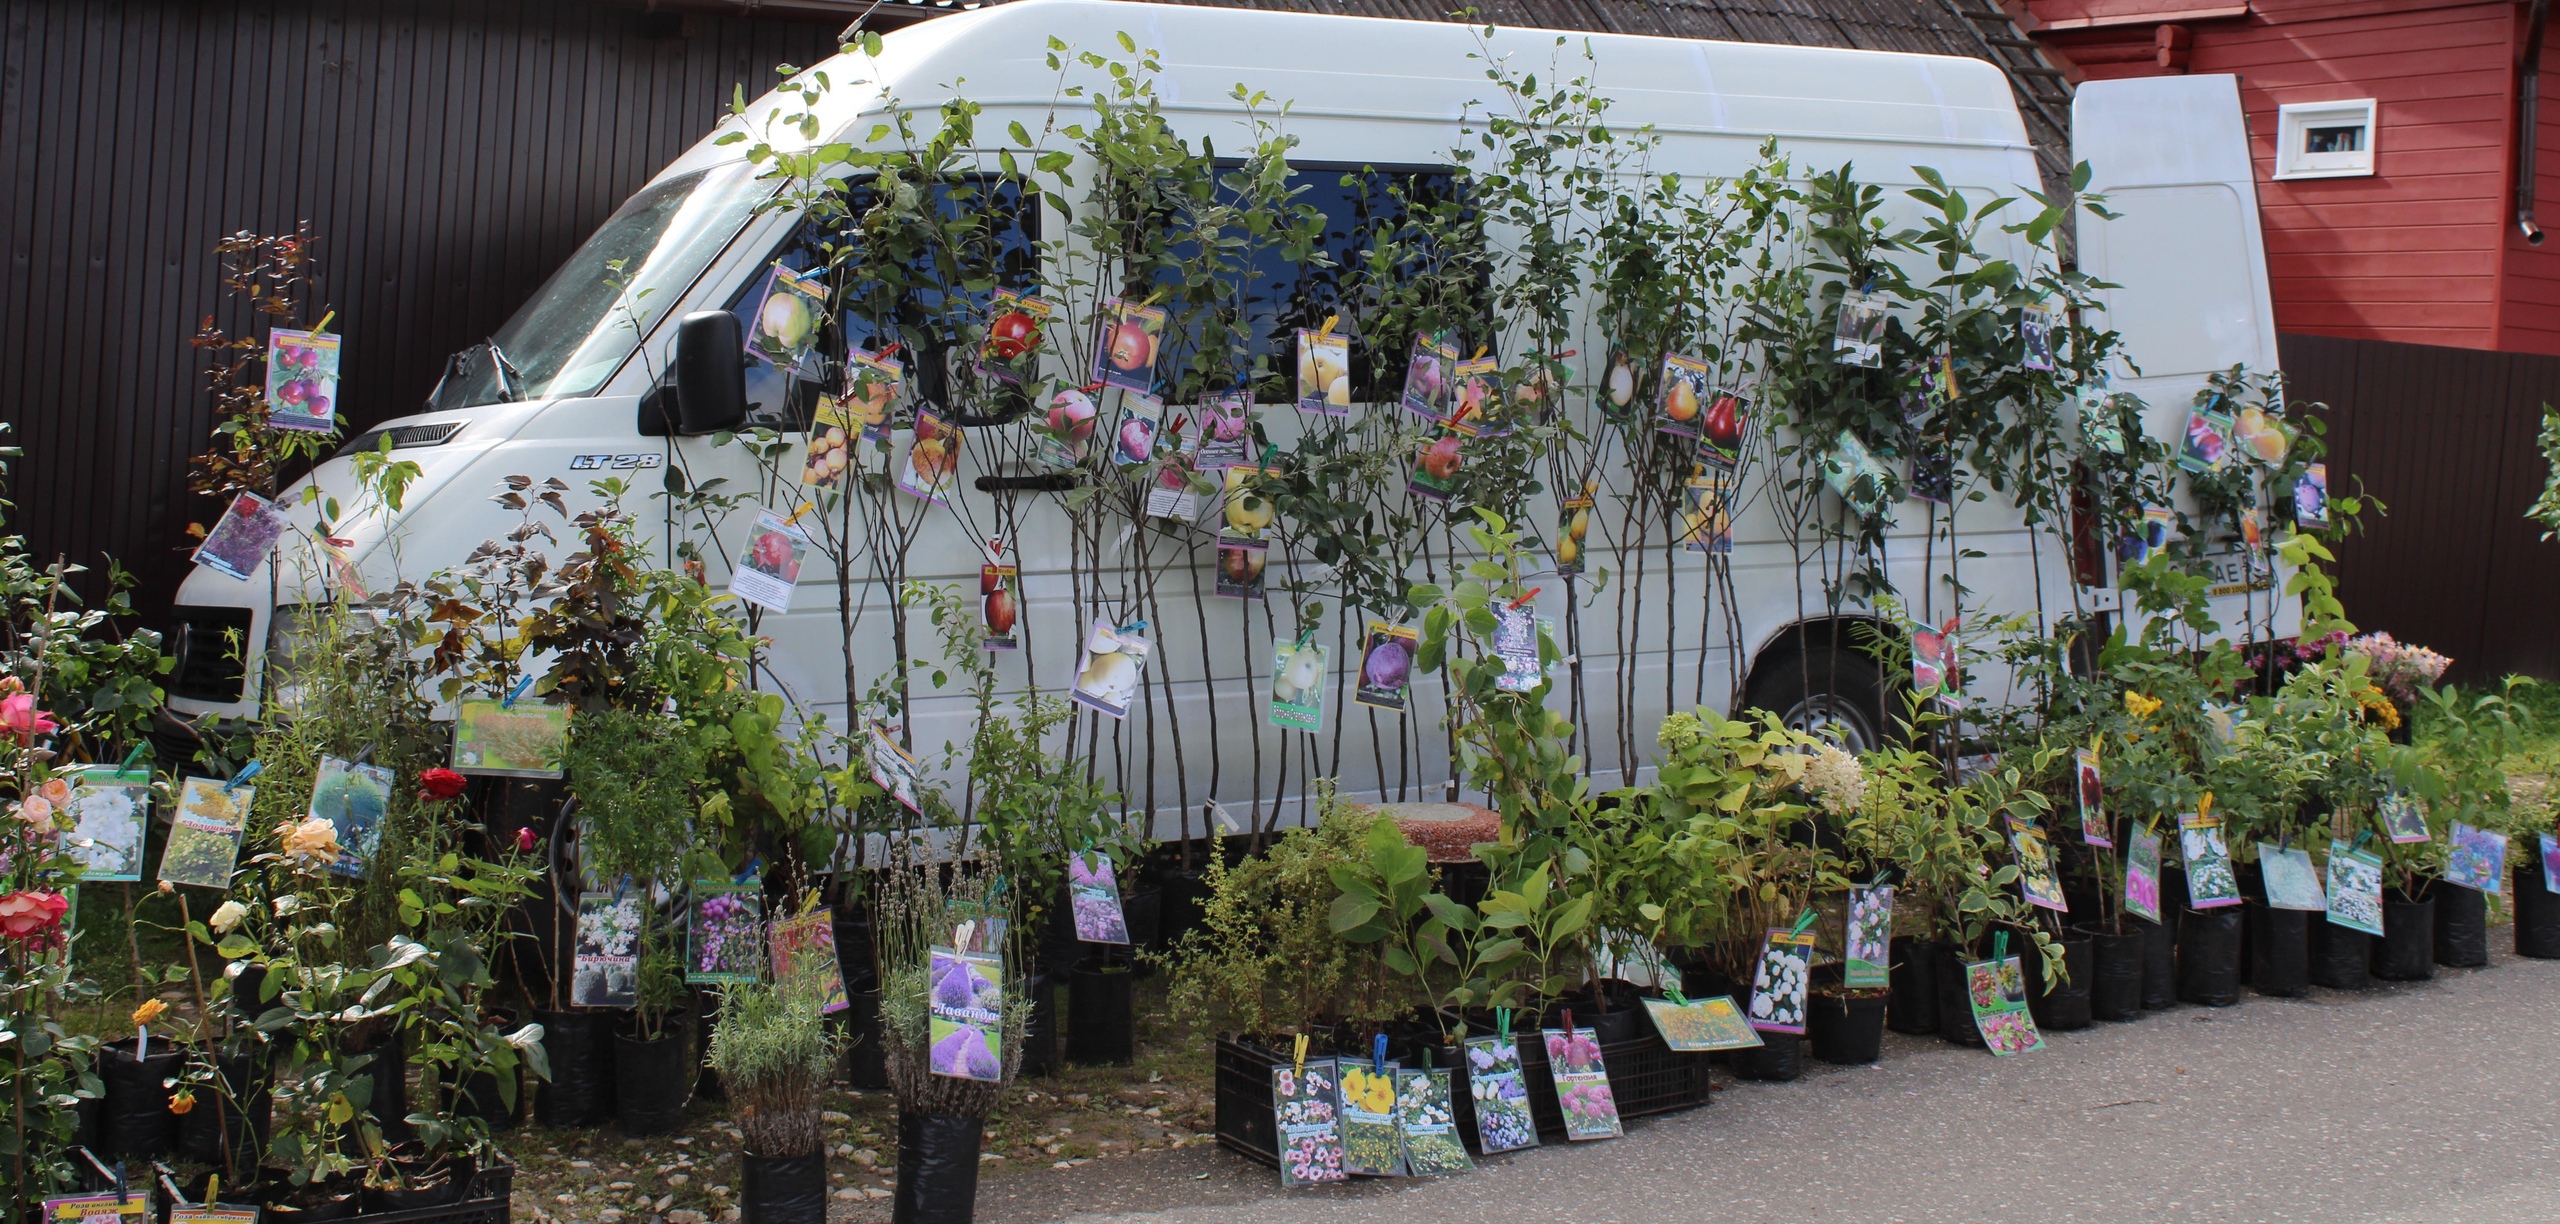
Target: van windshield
574,331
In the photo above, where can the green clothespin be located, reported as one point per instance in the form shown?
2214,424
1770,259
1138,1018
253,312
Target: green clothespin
2000,947
1502,1023
1881,879
131,757
1804,922
1677,999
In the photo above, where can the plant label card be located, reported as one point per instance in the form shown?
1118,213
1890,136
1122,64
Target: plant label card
1010,353
1302,1101
1371,1145
966,1002
494,739
1063,431
1582,1084
932,469
2474,858
805,947
2210,882
1428,1120
106,1207
2292,882
1867,948
1428,376
2150,538
1324,372
1386,666
1933,658
605,969
1501,1094
241,539
2311,498
1240,571
1107,675
1435,468
769,567
1226,431
110,807
2550,862
724,932
2091,791
1998,992
2402,819
302,380
1177,492
1000,606
1707,514
1297,685
1702,1026
1141,419
2037,880
1933,473
1515,641
896,770
1093,893
1722,431
1857,336
1248,512
1479,394
1687,389
785,327
1862,481
1618,384
878,385
1125,357
2142,877
204,834
353,799
1573,530
2035,336
2355,888
2207,445
1780,980
212,1215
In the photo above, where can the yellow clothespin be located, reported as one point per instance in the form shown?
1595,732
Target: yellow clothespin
804,508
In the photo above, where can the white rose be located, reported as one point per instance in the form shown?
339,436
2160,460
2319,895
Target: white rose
227,916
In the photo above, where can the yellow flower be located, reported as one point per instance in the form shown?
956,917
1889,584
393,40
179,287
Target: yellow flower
184,1100
151,1010
2383,710
314,840
2140,706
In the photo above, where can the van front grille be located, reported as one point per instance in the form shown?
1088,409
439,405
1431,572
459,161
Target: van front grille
210,644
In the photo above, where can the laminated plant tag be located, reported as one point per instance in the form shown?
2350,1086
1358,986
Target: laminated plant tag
878,383
2403,819
784,328
1618,383
1501,1093
494,739
215,1214
2098,420
1862,481
1435,467
2091,792
204,835
2210,883
1093,892
1867,948
302,380
1428,1121
1582,1084
724,932
1226,430
1515,640
2142,877
1302,1101
605,969
2036,878
2035,339
1107,674
895,770
1479,394
2207,445
1573,530
2311,498
805,947
1324,372
1126,356
1702,1026
240,540
109,808
932,469
1687,389
1721,432
1297,685
1707,514
967,1008
2355,888
1133,442
1245,516
1370,1143
1857,336
353,799
106,1207
2292,882
1176,492
1386,666
2475,858
999,606
2550,862
1997,989
1780,980
1010,353
1933,659
1063,429
1933,473
1428,377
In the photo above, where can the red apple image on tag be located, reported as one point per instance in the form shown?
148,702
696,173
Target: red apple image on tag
1132,349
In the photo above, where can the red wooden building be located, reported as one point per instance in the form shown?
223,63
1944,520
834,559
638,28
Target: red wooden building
2390,138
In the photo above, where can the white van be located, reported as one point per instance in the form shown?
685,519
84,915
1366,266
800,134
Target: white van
2171,151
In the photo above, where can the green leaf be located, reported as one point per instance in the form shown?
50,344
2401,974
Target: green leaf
1351,913
234,946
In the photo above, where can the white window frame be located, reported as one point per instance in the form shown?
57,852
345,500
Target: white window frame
2294,124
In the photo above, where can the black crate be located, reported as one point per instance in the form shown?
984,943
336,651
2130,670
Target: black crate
488,1200
1246,1124
1646,1077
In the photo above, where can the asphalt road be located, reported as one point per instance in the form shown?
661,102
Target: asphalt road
2424,1103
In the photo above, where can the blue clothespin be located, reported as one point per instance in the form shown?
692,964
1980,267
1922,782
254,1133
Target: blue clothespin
754,868
1133,627
518,691
240,779
1378,1054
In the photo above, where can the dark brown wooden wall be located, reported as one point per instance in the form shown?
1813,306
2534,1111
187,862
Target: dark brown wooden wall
2446,438
449,154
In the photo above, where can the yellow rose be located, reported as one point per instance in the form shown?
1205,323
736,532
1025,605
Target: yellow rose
151,1010
313,841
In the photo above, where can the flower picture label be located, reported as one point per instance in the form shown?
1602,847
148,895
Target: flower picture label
1428,377
2036,877
2355,888
1428,1122
806,947
1010,353
2475,858
2292,882
1702,1026
2142,878
877,385
2550,862
966,1000
1501,1095
605,969
770,566
1779,982
1371,1145
1582,1084
494,739
1867,947
2403,819
1324,372
240,540
109,808
1093,892
352,799
204,835
2090,792
894,769
2210,883
1997,990
1687,387
932,469
724,932
1515,640
784,328
1125,357
1303,1105
104,1208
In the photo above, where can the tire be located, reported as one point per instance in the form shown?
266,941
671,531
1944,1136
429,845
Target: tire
1835,692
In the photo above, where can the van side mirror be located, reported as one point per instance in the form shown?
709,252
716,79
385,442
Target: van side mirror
711,372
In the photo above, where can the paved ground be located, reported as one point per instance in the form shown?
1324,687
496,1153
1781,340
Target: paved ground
2429,1103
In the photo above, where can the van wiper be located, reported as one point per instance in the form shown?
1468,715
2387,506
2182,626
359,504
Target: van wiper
510,380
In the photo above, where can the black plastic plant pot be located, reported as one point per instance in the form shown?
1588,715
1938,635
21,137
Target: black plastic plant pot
1914,1008
852,929
2462,926
2407,950
2537,914
1955,1013
1142,909
652,1081
1778,1058
138,1122
2279,950
2115,977
1040,1033
867,1060
2209,956
2159,961
201,1132
1846,1028
2066,1006
784,1189
389,1070
580,1047
478,1096
1184,904
2341,957
937,1169
1100,1032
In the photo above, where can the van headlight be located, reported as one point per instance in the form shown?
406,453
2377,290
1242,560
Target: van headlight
302,635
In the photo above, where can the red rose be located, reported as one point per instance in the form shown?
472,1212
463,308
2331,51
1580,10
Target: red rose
440,784
32,915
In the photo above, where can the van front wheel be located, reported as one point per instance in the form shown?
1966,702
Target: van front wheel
1834,693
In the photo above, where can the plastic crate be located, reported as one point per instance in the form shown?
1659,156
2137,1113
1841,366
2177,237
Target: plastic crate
488,1200
1246,1125
1646,1077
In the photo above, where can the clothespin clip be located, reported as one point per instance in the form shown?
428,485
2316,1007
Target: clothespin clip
1480,352
1531,593
122,1195
1502,1023
1677,999
1091,387
1378,1054
802,509
1804,921
1326,332
365,756
754,868
212,1189
131,757
1881,879
995,550
1133,627
2204,806
960,936
1298,1058
241,779
2362,836
322,327
2000,946
622,886
1568,1022
517,690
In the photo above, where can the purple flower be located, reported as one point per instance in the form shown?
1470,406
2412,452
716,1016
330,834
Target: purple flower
963,1052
